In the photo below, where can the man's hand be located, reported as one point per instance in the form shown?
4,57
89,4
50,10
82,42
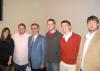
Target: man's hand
42,66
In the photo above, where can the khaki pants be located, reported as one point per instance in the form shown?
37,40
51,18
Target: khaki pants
66,67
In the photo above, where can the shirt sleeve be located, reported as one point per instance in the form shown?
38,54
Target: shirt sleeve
11,45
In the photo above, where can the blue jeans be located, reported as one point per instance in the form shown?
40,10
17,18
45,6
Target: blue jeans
52,66
19,67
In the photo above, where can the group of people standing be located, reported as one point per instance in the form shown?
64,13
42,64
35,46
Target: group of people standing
56,51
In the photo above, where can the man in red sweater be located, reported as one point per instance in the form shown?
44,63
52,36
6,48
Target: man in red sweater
69,46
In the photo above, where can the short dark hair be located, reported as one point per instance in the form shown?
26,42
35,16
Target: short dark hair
66,21
22,24
93,18
54,22
35,24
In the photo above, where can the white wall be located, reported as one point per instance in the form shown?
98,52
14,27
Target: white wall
30,11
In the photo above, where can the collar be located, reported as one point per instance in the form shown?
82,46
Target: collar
67,35
22,35
35,36
90,35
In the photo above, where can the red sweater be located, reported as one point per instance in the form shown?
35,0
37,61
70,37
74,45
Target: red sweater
69,49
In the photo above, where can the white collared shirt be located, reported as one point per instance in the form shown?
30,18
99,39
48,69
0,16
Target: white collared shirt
20,55
35,36
66,37
89,37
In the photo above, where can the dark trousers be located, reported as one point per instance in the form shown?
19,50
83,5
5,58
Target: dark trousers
19,67
39,69
81,70
5,68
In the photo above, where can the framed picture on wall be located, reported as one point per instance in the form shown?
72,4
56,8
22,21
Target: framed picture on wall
1,10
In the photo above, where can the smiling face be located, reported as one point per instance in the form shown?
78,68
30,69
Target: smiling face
21,29
92,25
34,29
66,27
6,33
51,25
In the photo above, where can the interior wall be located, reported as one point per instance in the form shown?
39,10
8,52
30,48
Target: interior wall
30,11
